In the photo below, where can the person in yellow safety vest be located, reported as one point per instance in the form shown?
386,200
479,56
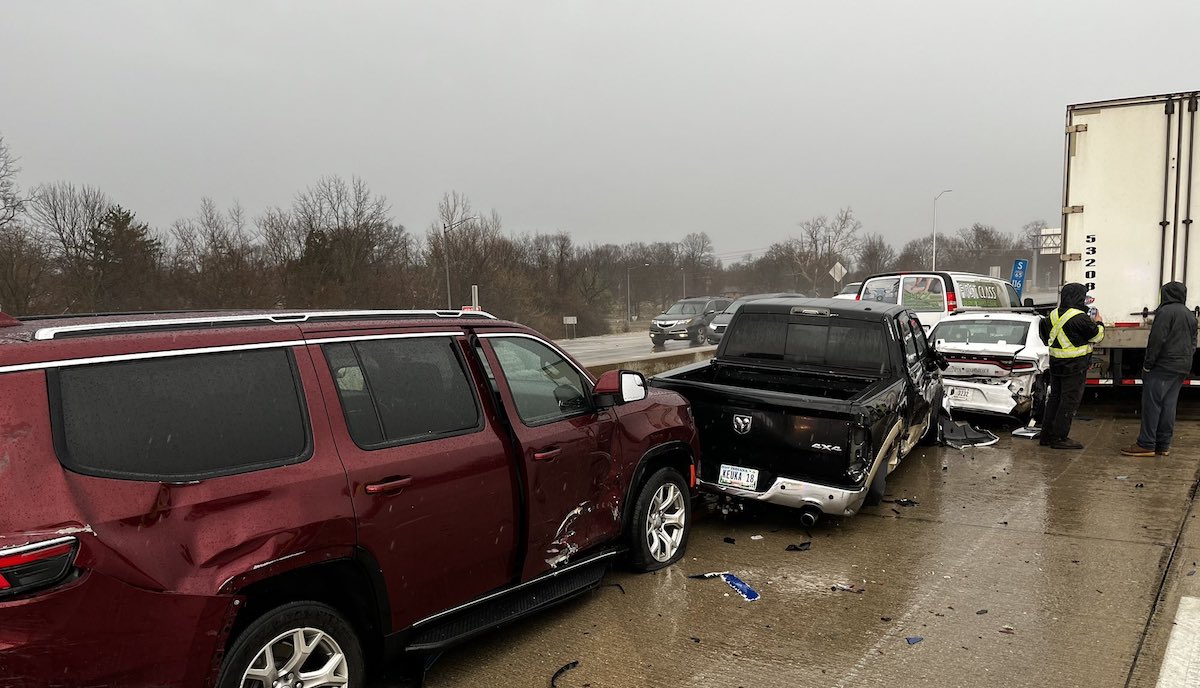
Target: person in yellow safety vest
1070,334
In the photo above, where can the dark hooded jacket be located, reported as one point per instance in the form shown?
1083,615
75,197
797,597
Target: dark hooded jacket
1173,334
1079,329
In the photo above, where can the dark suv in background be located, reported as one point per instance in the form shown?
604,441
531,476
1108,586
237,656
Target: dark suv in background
686,320
270,498
720,322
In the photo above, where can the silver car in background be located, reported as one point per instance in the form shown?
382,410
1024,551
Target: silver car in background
716,328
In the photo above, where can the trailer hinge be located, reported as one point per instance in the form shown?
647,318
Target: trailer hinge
1076,128
1069,209
1068,257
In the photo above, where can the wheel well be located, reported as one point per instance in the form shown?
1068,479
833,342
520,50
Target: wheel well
677,455
343,584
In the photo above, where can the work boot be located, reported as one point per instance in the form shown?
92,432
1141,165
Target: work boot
1136,449
1065,443
1045,441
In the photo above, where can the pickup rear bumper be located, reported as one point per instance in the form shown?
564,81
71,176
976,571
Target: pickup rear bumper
835,501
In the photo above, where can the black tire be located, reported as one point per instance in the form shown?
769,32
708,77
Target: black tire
697,336
270,627
933,433
657,342
641,557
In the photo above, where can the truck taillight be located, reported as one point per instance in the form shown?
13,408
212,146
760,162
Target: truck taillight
36,565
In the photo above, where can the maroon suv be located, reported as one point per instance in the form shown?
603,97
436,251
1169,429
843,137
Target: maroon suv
270,499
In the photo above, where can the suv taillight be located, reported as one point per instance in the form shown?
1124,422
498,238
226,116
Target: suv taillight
951,302
36,565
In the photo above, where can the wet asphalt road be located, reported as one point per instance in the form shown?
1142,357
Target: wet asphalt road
630,346
1018,566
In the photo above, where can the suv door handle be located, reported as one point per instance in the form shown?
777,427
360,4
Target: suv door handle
547,454
392,484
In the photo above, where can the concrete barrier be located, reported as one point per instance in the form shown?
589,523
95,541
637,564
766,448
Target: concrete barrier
653,364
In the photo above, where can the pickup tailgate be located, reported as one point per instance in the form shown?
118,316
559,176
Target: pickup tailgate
769,434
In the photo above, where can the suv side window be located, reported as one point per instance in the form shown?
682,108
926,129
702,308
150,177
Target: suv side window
396,391
545,387
180,418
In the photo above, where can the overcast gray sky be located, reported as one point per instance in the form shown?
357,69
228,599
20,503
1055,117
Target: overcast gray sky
613,120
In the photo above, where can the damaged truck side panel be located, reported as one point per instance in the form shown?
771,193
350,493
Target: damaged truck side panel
810,403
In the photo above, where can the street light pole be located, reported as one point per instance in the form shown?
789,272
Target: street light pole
446,258
935,200
628,292
684,271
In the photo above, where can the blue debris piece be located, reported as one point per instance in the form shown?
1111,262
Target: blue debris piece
739,586
914,639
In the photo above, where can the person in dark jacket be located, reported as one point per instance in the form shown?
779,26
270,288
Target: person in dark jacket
1070,333
1168,363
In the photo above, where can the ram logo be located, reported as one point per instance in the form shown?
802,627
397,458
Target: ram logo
741,424
827,447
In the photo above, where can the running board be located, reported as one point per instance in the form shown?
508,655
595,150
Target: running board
495,611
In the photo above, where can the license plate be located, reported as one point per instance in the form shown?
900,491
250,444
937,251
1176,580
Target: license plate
736,476
960,393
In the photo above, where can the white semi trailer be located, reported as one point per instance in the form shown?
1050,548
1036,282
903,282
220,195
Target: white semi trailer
1128,204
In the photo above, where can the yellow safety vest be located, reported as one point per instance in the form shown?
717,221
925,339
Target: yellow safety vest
1060,344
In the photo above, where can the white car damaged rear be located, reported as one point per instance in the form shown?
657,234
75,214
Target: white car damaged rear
997,363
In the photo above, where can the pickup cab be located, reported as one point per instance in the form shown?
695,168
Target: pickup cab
811,403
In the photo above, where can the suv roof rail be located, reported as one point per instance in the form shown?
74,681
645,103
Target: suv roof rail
280,318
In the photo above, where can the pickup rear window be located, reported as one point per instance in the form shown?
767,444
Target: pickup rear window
825,342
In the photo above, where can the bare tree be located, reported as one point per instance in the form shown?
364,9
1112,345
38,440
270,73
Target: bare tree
875,255
698,261
824,241
218,262
12,203
25,267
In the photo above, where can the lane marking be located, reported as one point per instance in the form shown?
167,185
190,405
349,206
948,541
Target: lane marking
1181,664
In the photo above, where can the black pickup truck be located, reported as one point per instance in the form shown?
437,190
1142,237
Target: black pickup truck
811,403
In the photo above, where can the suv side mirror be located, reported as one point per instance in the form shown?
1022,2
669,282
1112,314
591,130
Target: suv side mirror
620,387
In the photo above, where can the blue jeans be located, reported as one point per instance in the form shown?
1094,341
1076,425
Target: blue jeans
1160,396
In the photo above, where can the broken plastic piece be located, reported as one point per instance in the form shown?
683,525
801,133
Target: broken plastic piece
913,639
1027,432
730,541
802,547
1122,477
756,537
740,587
562,670
848,587
705,576
959,434
906,502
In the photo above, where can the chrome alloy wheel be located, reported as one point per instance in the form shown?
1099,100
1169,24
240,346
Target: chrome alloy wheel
665,522
299,658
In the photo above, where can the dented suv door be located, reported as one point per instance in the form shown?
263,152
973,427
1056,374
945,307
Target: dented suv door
565,445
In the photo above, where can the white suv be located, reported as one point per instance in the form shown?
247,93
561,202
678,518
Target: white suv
934,295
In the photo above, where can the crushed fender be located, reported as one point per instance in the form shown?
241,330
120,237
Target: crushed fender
960,434
562,670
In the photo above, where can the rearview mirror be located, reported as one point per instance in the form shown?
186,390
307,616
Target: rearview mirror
620,387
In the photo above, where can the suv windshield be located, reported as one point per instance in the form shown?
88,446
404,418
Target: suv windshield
685,308
820,342
982,332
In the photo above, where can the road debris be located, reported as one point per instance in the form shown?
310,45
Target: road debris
1008,630
1122,477
885,619
960,435
906,502
913,639
730,541
802,547
756,537
739,586
562,670
848,587
981,612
